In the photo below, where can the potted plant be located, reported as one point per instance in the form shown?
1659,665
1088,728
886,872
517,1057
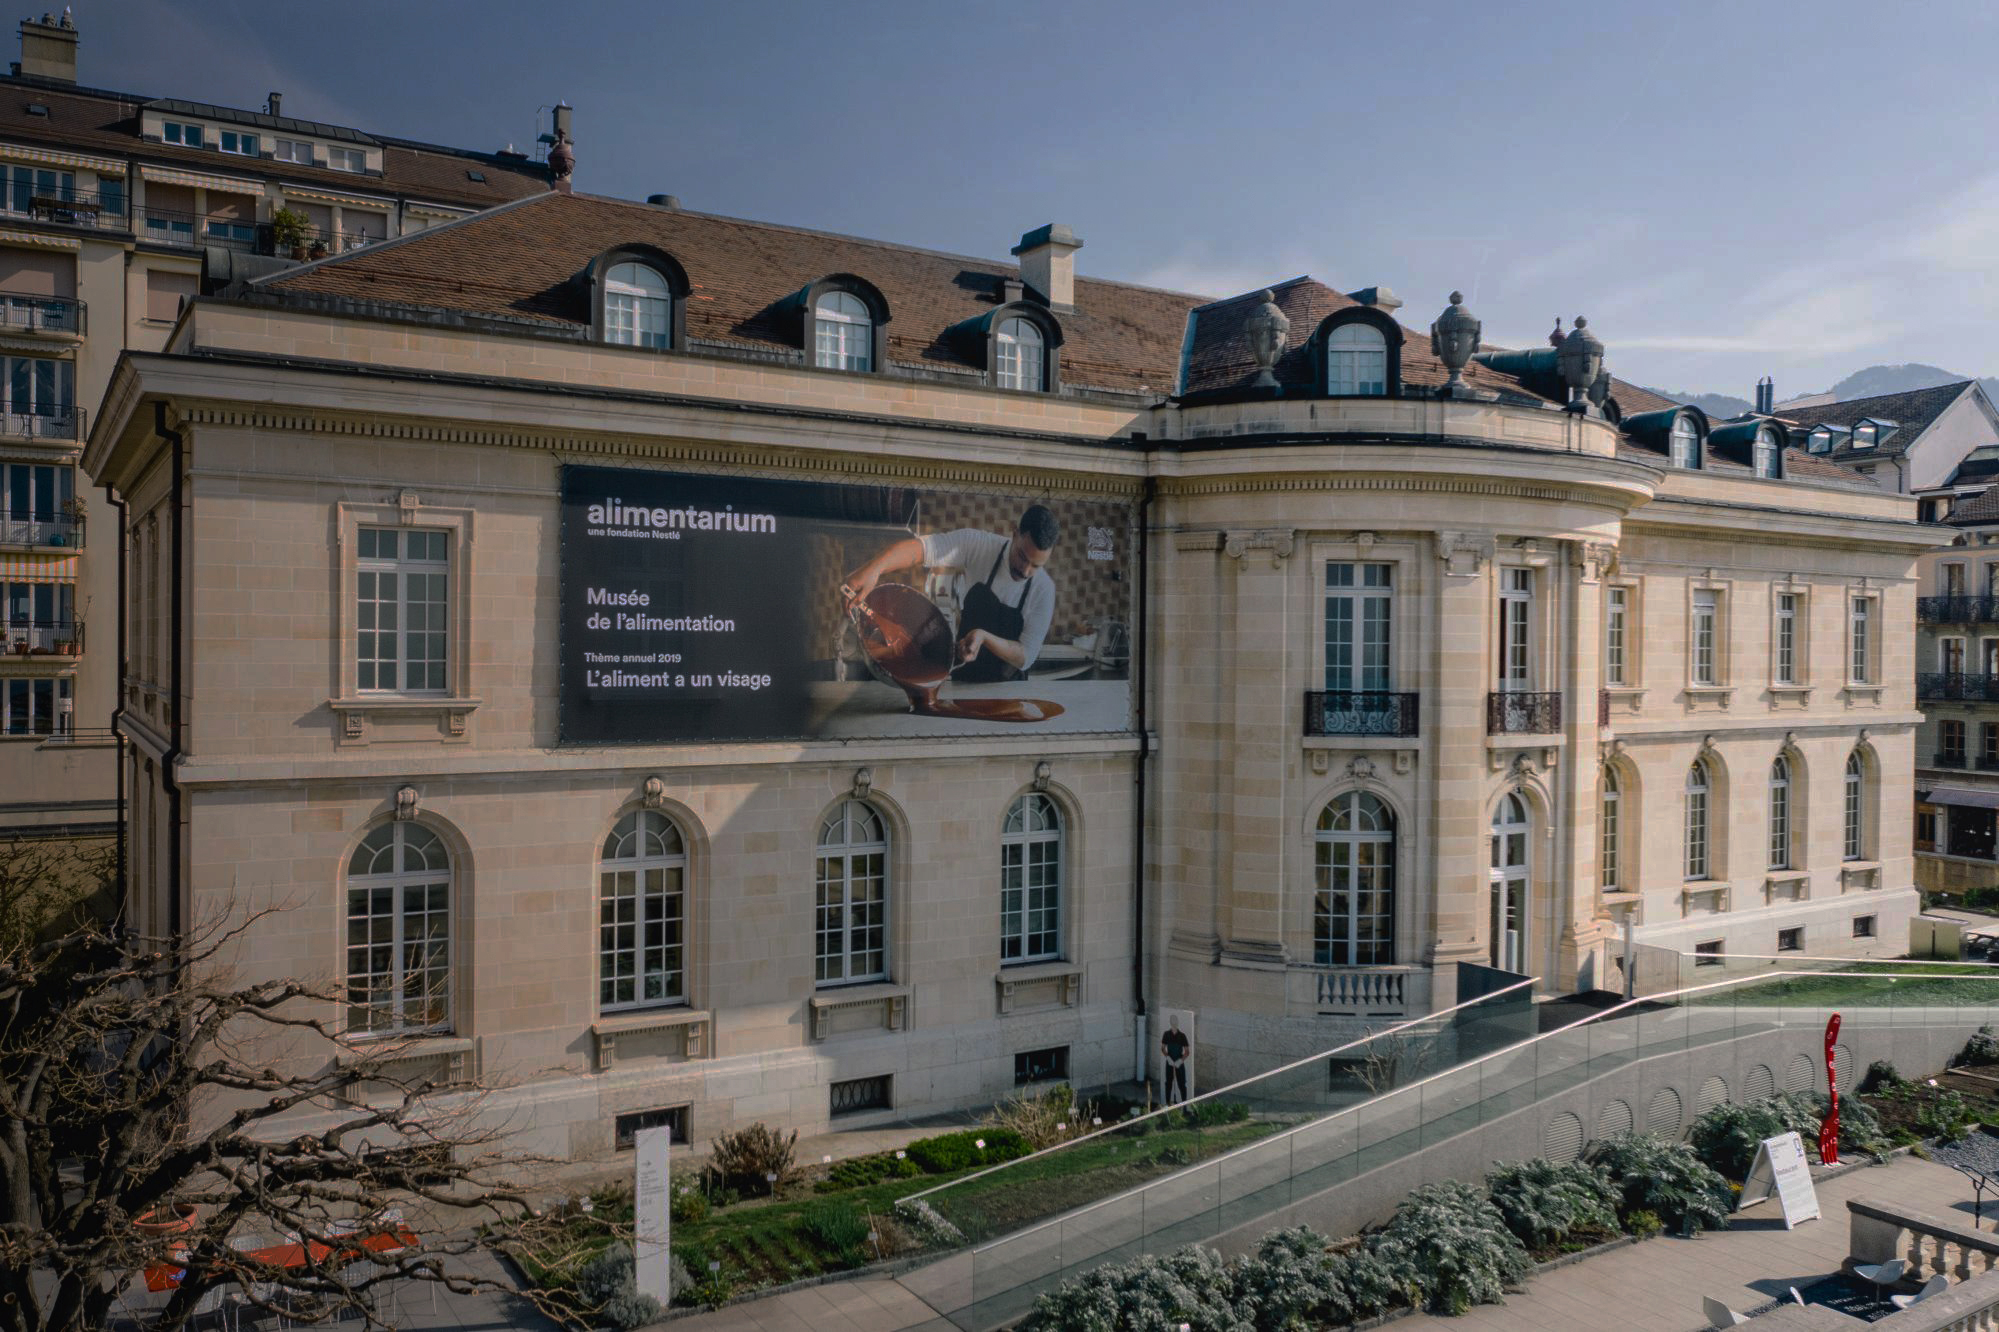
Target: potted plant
176,1220
318,250
288,229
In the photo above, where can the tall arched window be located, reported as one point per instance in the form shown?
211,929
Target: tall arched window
1511,884
1780,814
1767,456
1356,361
638,307
846,333
399,931
852,920
1697,820
1685,442
1031,881
1610,862
642,914
1856,840
1353,910
1018,356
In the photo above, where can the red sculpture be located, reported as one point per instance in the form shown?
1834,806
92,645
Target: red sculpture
1829,1130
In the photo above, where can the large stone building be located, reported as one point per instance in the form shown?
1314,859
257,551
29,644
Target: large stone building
113,209
1957,683
504,603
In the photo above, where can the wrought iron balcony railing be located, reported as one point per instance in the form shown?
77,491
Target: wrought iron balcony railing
1360,712
1953,687
1957,610
71,206
39,529
57,423
1513,713
25,638
40,314
1944,759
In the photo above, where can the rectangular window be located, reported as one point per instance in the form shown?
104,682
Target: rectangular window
234,141
1050,1065
164,293
1616,632
1863,927
111,196
1791,940
28,184
858,1094
37,505
38,615
1950,743
188,136
1953,580
292,150
1988,655
626,1127
1787,638
1992,580
1708,954
1950,656
1703,636
346,159
400,616
641,944
1516,625
1863,661
1926,828
36,707
40,396
1358,614
1988,745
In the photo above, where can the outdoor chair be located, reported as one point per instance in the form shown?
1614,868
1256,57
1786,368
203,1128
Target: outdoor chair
1719,1314
1881,1275
1936,1285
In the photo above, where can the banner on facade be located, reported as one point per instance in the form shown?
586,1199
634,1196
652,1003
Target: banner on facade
702,608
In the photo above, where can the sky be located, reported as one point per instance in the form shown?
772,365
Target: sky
1726,190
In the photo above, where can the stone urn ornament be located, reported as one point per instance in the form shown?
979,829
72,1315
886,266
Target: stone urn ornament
1268,327
1453,338
1580,361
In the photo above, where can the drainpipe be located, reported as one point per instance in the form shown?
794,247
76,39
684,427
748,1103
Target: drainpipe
1140,652
118,712
177,504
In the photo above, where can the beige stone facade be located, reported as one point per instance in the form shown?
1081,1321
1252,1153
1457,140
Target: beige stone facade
1957,673
1493,533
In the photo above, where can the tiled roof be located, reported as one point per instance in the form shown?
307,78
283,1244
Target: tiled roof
107,124
1977,511
524,262
1912,412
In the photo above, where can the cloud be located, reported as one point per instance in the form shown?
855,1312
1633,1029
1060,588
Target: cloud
1201,277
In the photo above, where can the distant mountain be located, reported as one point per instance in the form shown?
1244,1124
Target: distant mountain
1718,405
1878,380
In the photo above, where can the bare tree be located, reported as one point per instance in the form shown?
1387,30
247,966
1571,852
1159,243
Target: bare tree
50,885
132,1089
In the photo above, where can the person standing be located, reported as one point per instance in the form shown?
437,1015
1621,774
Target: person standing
1175,1046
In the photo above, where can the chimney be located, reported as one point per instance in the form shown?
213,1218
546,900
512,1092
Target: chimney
561,126
48,48
1766,396
1048,263
276,104
1381,298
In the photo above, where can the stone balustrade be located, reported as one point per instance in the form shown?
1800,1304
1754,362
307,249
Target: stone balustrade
1971,1307
1931,1244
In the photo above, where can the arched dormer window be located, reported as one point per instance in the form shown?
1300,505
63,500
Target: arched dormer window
1768,457
1023,348
844,325
1359,354
638,298
1685,443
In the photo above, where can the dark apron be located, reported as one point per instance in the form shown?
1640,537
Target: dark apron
984,610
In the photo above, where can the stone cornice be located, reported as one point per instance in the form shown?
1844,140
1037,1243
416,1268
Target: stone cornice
1448,485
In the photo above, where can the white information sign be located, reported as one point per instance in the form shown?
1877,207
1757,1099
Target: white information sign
1781,1168
653,1220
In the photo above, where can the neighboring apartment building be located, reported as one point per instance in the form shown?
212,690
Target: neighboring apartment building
489,612
111,208
1957,750
1910,443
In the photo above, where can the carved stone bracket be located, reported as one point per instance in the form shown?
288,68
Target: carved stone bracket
1598,560
1360,768
654,794
407,503
1277,541
1465,554
407,801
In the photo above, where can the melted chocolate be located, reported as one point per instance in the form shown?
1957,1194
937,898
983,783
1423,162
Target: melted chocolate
909,641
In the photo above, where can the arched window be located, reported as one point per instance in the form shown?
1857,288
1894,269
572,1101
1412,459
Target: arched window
1356,361
1511,885
638,307
845,332
1031,881
1018,356
1780,814
642,914
852,923
1353,910
1697,820
1856,840
1767,455
399,931
1685,442
1610,862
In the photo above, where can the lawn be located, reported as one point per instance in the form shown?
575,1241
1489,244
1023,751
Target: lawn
1859,984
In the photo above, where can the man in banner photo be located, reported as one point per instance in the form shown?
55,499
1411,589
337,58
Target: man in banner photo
1006,597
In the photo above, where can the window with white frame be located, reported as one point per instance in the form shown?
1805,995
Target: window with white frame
401,608
1685,443
1854,823
1018,356
1780,814
1516,629
1784,668
41,706
182,133
347,159
1617,636
1356,361
37,614
1031,881
292,150
36,504
1704,638
1953,579
1610,861
638,307
40,391
845,333
1359,605
642,914
399,931
243,145
1698,790
1353,906
1950,656
852,909
1860,640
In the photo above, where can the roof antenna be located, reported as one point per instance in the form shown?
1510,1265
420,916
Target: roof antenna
1555,338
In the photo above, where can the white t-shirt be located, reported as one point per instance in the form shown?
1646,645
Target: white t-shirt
971,553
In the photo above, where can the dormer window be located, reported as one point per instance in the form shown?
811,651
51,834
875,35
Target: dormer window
1767,457
292,150
1685,443
243,145
638,307
1821,441
845,334
347,159
187,136
1356,361
1018,356
1863,435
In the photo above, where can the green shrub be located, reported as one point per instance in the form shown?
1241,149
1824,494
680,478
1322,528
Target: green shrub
690,1206
1294,1280
1880,1076
1728,1136
608,1284
1982,1048
1043,1118
1644,1224
1450,1248
1544,1204
948,1152
860,1171
1214,1114
747,1158
1665,1178
1943,1116
837,1228
1155,1293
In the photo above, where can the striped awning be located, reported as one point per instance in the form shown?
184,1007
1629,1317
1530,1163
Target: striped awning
433,210
201,180
329,197
39,241
15,152
38,348
38,568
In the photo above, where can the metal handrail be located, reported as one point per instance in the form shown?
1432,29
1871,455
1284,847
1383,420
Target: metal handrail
58,423
1511,712
40,529
1957,608
41,314
1957,686
1361,712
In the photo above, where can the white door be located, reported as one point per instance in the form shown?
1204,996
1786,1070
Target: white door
1509,885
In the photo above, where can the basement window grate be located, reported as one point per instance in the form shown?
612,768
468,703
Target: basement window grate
858,1094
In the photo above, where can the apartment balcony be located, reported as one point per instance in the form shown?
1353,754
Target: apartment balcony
40,638
1360,712
41,530
1517,713
1955,687
61,423
70,207
55,315
319,242
1957,610
1942,759
169,226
